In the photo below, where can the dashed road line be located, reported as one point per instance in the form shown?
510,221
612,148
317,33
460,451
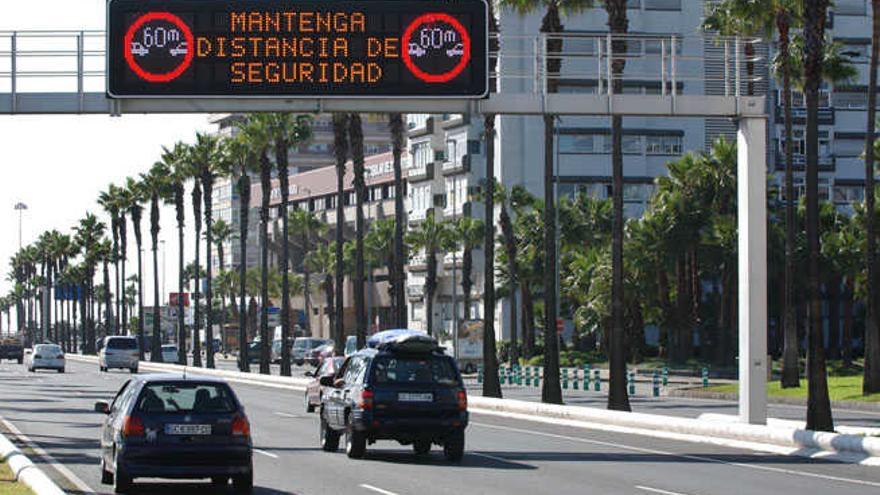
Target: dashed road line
376,489
267,454
658,490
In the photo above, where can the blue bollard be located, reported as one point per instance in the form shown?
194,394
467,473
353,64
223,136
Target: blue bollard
631,381
597,385
705,377
665,376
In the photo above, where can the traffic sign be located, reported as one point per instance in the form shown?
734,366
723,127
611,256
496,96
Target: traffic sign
174,299
305,48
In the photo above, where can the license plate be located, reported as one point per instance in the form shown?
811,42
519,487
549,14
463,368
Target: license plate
187,429
404,397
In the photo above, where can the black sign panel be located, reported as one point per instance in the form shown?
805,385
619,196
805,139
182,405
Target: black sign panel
304,48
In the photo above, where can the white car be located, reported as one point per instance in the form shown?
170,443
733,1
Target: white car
46,357
119,352
169,353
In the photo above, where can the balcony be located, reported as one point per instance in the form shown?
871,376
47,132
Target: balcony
417,129
450,120
420,172
453,257
457,167
827,163
415,291
418,262
457,211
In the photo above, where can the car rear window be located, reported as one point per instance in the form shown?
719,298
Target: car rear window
414,369
48,348
122,344
185,398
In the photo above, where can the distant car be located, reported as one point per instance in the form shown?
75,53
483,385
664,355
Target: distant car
119,352
303,345
46,357
351,345
317,355
12,348
402,388
169,353
314,390
169,426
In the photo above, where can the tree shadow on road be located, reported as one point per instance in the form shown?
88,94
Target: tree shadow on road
470,460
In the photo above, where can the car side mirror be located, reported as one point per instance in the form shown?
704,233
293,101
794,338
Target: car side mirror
102,407
309,373
339,383
326,381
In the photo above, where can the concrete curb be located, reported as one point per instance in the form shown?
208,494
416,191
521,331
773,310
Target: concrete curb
698,393
863,449
25,471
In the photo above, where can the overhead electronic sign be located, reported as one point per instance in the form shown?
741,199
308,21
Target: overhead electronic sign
297,48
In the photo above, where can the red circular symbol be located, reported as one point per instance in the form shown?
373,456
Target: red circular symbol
465,41
173,73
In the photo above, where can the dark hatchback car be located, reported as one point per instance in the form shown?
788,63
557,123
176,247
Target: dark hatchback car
169,426
405,390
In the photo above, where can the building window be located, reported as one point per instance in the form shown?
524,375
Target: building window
451,147
848,147
422,154
850,7
577,143
857,53
851,100
662,4
456,195
848,194
663,145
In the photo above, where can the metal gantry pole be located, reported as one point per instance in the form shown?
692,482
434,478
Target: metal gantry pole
663,67
80,67
737,66
455,275
13,46
726,67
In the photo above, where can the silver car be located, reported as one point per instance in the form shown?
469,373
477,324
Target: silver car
119,352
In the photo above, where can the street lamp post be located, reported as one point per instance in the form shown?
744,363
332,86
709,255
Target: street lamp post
455,275
20,208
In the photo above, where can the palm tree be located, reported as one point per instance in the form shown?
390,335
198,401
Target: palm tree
177,161
341,148
286,131
469,234
322,261
307,226
379,250
109,200
818,403
356,139
398,141
88,234
222,232
239,157
871,380
551,28
205,156
155,186
257,131
434,238
135,210
196,299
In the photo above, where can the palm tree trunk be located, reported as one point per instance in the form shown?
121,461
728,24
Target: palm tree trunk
307,285
510,251
833,289
281,162
208,186
340,143
397,274
123,256
846,341
329,302
196,300
790,368
265,190
818,403
223,337
156,347
617,395
430,289
356,140
244,192
136,224
871,382
181,278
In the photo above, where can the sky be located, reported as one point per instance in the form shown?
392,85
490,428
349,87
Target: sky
57,165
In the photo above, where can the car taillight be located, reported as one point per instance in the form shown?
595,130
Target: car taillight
133,427
462,400
241,427
60,356
38,357
366,399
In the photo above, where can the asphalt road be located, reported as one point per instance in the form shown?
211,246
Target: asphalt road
504,456
643,401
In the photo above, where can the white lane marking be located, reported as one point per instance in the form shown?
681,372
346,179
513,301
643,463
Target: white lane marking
681,456
267,454
492,457
376,489
657,490
287,415
57,466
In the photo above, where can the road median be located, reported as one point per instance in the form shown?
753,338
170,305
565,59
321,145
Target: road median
24,471
776,438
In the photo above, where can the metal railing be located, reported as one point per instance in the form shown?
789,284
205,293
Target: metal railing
75,62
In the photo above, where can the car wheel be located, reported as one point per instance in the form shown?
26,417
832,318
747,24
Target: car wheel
309,406
453,448
20,360
106,476
422,447
133,371
61,370
220,481
32,369
355,443
244,484
102,369
122,481
329,437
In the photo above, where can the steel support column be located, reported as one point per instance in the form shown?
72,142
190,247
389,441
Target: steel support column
752,228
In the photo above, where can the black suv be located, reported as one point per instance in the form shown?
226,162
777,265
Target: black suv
405,389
